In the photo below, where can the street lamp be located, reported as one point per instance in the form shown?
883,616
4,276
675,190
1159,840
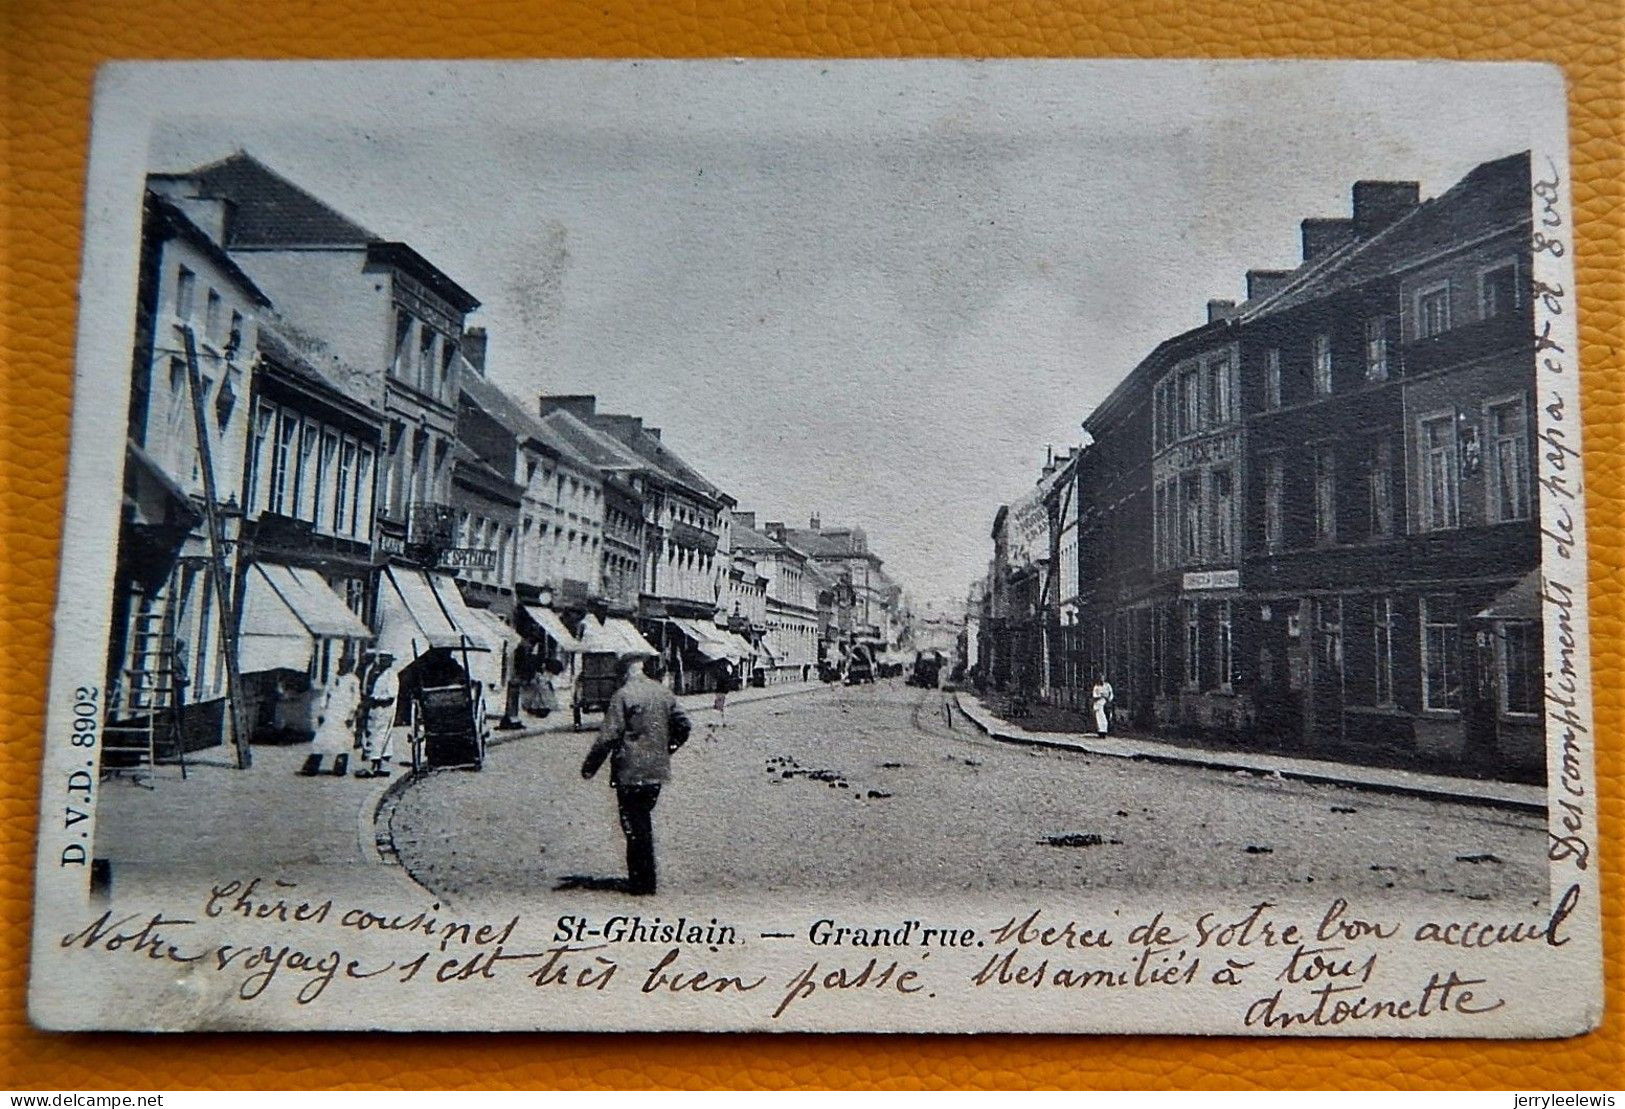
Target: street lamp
544,596
230,516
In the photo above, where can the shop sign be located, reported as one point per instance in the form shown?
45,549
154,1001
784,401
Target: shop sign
1197,580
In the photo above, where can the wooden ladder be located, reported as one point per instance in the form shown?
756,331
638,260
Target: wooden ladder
143,722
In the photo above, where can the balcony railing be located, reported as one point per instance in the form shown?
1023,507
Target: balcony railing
431,525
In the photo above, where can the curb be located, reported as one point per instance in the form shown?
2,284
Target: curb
1429,786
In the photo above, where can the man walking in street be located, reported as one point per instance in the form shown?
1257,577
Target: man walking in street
642,726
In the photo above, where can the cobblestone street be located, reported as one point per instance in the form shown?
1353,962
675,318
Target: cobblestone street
866,790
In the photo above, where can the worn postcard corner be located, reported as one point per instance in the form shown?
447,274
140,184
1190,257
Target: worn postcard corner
936,546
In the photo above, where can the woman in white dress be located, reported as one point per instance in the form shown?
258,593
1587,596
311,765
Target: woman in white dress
335,723
378,741
1100,697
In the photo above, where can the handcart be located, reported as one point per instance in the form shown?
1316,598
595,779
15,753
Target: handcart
595,685
447,714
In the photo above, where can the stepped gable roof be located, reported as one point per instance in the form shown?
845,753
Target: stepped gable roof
1493,196
600,450
269,211
500,406
630,431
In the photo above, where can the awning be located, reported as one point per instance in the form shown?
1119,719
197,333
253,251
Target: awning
549,622
497,633
285,610
741,644
1520,601
418,611
158,497
491,667
613,637
708,641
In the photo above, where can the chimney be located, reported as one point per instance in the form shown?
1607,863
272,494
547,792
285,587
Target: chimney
474,347
1379,203
211,215
1261,283
1220,310
1323,235
814,523
774,530
745,520
580,405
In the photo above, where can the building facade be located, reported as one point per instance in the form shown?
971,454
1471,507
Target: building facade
1309,523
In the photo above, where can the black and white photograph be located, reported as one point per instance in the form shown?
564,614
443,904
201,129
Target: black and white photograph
879,546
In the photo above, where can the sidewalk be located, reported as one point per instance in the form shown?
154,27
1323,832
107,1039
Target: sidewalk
221,822
1466,790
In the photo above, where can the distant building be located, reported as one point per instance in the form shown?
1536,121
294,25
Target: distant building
791,608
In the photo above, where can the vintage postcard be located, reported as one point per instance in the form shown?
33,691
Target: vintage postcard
891,546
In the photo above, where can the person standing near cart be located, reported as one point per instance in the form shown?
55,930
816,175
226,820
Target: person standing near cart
642,726
382,688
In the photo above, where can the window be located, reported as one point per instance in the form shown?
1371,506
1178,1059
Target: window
1329,622
1224,544
282,461
1272,378
1190,402
1193,646
1441,656
211,316
1520,668
1190,497
448,351
1498,291
263,418
342,494
403,343
1382,650
1380,483
304,474
324,477
1322,356
1325,496
1219,392
185,294
1225,649
1159,521
1274,480
1509,459
234,339
1433,311
426,359
1376,349
1439,478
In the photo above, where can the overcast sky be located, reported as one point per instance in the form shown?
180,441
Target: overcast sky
871,291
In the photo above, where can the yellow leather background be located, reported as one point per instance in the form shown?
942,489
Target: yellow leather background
52,48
